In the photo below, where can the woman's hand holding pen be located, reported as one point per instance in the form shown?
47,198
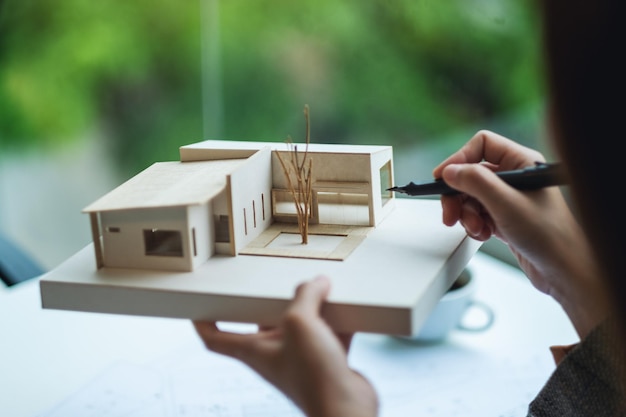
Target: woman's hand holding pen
538,226
470,170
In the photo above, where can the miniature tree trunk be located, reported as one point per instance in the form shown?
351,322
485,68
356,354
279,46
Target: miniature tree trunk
298,174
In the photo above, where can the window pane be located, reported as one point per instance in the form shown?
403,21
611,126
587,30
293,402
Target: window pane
163,242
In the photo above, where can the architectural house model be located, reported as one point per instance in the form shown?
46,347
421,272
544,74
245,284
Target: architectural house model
232,198
215,236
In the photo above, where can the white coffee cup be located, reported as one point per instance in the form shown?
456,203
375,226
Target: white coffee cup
452,309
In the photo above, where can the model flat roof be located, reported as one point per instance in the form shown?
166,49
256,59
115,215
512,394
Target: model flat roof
225,149
169,184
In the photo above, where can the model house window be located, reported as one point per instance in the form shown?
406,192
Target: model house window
222,229
283,204
385,182
163,242
193,238
343,208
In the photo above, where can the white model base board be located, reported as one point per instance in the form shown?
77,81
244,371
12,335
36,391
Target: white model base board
389,284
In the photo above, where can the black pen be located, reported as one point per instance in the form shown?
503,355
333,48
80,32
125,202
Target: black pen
540,175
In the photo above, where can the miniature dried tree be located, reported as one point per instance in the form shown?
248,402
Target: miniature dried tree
298,173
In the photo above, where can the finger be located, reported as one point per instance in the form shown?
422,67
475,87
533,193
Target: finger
485,232
476,221
309,296
451,205
484,185
235,345
497,150
494,149
474,150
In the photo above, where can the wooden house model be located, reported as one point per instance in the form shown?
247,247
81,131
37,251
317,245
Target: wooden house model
231,198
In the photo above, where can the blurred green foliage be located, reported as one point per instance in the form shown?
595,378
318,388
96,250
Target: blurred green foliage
130,69
376,71
372,71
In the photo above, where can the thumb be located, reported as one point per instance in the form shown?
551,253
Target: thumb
483,184
309,296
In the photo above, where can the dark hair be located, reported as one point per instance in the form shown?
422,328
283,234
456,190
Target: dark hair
584,46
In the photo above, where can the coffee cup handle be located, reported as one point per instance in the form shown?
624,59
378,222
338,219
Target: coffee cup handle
488,322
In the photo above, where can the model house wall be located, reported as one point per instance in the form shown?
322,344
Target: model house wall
167,238
250,187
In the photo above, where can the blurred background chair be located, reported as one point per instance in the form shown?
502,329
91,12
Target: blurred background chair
15,264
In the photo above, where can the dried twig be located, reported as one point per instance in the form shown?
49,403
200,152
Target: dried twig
298,174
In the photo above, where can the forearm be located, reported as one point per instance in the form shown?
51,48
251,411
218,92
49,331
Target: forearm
351,396
342,392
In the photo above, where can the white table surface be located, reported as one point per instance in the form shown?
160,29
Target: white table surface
46,356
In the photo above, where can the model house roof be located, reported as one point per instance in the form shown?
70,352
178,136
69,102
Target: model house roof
169,184
225,149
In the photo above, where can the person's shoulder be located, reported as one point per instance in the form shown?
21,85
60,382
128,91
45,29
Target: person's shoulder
590,379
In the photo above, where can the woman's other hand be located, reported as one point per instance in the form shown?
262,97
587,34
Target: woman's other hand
302,357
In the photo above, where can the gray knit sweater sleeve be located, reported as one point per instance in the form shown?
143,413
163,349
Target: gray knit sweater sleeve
588,381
